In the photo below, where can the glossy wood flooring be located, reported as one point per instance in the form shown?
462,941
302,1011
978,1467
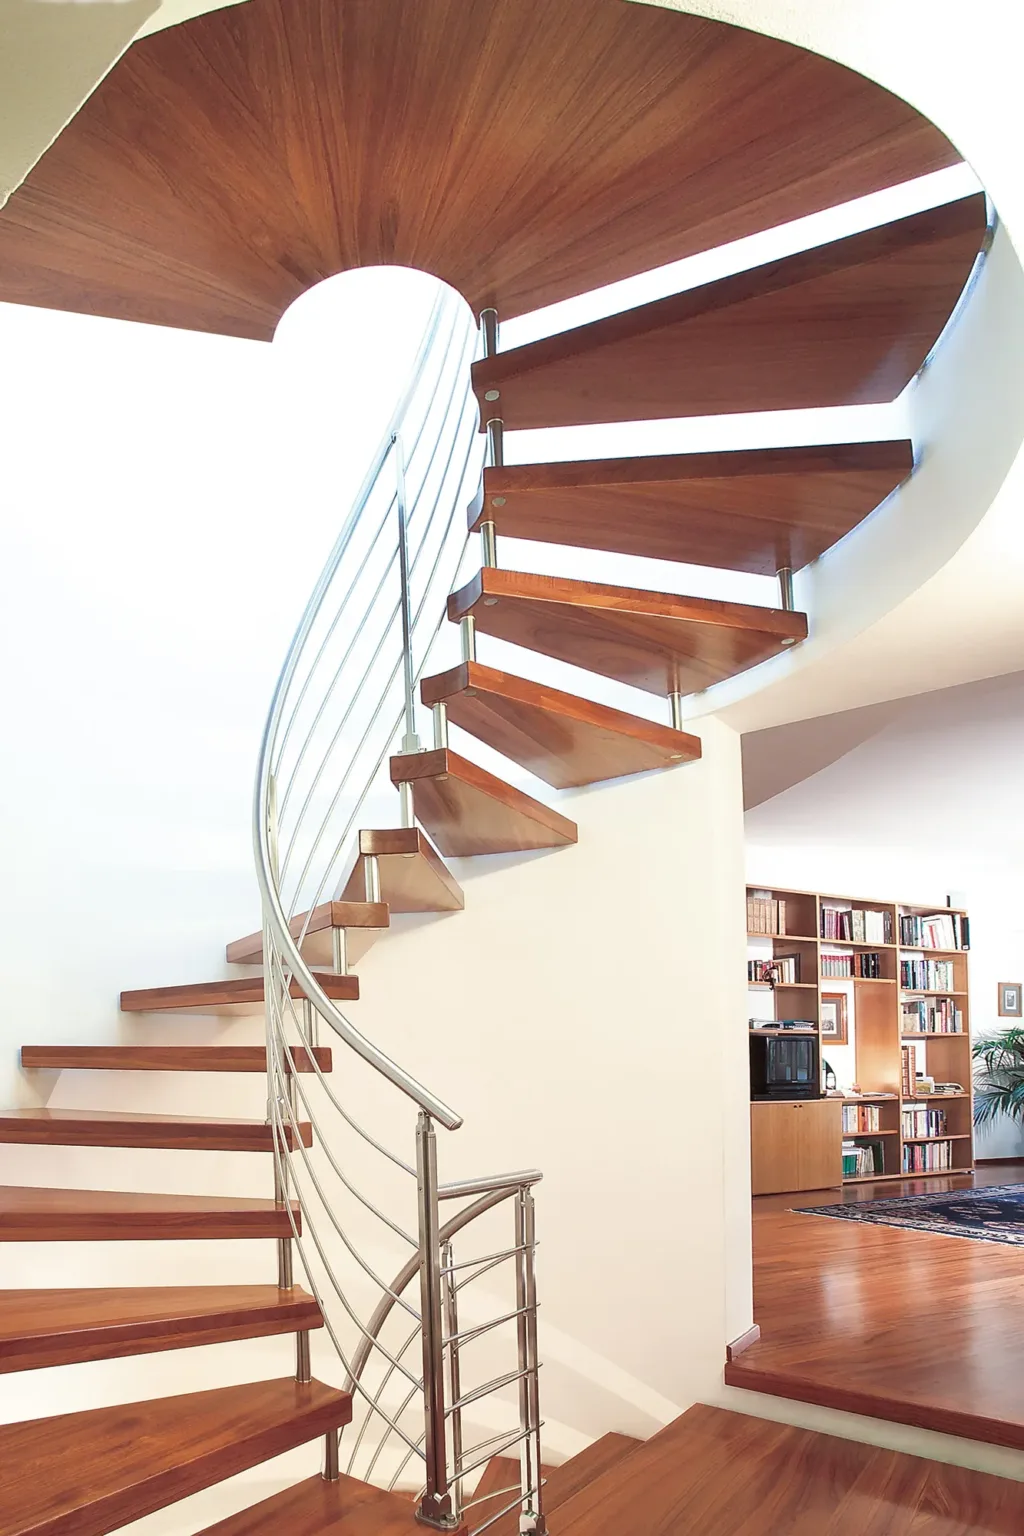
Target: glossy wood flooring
908,1326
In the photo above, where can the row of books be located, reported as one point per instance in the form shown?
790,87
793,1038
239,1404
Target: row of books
862,1159
927,1157
922,1120
942,930
857,925
908,1070
866,965
931,1016
777,972
860,1119
927,975
765,915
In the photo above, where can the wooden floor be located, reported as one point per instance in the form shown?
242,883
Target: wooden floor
902,1325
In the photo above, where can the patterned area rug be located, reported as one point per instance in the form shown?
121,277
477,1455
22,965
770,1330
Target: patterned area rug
993,1215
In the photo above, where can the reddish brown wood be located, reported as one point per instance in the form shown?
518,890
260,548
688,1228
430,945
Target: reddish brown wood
745,1340
43,1328
563,739
165,1058
843,324
316,1508
239,994
316,946
468,811
107,1128
413,876
653,640
723,1474
227,164
754,510
565,1482
908,1326
84,1474
30,1215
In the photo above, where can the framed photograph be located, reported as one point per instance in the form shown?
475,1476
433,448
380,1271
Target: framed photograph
1010,1000
833,1017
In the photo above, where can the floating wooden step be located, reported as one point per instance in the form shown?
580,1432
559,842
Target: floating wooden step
31,1215
653,640
721,1473
565,740
43,1328
164,1058
108,1128
355,917
753,510
468,811
413,876
315,1508
848,323
239,994
570,144
84,1474
561,1483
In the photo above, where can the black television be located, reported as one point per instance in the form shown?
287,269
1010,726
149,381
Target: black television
784,1066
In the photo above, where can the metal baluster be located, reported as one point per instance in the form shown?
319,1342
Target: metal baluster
440,713
435,1507
451,1324
411,740
785,575
675,701
495,436
532,1518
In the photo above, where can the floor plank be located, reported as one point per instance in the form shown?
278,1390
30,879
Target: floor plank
908,1326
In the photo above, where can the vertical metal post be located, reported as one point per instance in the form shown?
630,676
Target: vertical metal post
785,575
410,741
675,701
532,1516
451,1326
407,811
440,713
468,630
435,1507
495,437
310,1023
489,544
339,951
332,1461
303,1364
496,442
489,331
371,877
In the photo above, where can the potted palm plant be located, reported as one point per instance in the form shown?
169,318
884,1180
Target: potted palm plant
999,1085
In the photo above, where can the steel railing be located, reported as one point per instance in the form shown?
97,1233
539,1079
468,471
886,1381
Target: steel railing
431,1365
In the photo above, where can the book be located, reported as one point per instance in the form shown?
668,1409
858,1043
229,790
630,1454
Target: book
940,930
856,925
776,972
765,914
863,1160
866,966
922,1120
927,1157
927,975
861,1119
930,1016
908,1071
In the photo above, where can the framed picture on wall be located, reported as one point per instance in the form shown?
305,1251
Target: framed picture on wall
1010,1000
833,1017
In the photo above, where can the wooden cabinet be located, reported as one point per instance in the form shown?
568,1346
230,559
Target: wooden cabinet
796,1144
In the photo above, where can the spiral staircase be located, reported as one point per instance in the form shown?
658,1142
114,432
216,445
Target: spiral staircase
524,153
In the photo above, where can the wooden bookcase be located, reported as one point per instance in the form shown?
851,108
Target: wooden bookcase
878,1022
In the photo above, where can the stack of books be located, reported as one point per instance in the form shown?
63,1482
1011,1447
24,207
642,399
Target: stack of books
783,969
927,1157
862,1160
908,1072
867,965
943,930
931,1016
861,1119
856,925
922,1120
765,915
927,975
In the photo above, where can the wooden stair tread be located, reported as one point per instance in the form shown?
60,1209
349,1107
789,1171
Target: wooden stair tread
84,1474
753,510
238,994
413,876
165,1058
133,213
657,641
31,1214
316,945
113,1128
44,1328
719,1473
469,811
315,1508
848,323
565,740
563,1483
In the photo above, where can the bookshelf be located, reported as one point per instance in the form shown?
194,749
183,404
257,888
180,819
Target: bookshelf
902,968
